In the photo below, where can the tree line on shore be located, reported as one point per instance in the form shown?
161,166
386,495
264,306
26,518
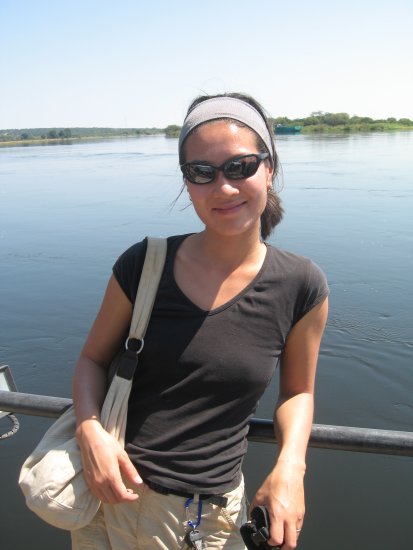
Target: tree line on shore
317,122
57,134
322,122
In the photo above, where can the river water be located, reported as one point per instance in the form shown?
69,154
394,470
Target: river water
67,211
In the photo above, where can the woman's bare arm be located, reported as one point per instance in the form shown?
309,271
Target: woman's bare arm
283,490
103,458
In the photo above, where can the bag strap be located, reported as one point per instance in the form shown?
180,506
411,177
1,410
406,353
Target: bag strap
148,286
145,298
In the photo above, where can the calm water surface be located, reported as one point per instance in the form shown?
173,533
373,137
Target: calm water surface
66,213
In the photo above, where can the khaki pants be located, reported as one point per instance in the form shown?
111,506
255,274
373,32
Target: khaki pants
158,521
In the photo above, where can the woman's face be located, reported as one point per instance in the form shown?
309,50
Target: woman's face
227,207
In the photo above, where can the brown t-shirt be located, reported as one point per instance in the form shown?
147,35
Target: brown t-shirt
201,373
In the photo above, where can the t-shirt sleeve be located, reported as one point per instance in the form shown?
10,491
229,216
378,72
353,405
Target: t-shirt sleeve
127,269
314,290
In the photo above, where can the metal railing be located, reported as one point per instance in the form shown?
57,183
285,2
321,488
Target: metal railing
343,438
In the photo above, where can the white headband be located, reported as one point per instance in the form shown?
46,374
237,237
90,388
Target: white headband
226,107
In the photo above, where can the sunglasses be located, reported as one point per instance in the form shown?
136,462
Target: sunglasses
237,168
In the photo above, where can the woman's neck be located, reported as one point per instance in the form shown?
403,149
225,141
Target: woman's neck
227,252
211,269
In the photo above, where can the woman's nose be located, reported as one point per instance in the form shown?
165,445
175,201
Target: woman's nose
225,186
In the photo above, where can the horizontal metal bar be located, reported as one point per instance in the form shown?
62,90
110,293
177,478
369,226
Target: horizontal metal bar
33,404
343,438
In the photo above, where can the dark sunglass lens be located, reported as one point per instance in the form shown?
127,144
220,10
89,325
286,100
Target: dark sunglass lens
233,169
250,166
199,173
242,168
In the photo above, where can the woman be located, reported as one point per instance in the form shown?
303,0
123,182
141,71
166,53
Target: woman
229,309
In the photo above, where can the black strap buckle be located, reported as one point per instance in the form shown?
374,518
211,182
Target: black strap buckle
128,362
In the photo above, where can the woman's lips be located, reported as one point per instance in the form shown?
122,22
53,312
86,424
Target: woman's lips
228,208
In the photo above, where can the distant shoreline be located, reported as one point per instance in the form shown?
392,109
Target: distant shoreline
53,136
62,141
317,123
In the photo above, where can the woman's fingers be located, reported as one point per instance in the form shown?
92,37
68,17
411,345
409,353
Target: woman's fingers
290,537
109,487
104,462
284,535
115,491
128,469
276,532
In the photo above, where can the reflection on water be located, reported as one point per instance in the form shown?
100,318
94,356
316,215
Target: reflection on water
66,212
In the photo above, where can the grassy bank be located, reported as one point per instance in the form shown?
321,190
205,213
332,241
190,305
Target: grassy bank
61,141
353,128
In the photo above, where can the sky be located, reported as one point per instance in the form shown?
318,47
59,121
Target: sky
139,64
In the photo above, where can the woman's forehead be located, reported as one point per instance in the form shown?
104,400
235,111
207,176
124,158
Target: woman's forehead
221,131
218,142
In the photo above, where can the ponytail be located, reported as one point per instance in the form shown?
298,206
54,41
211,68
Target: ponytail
272,214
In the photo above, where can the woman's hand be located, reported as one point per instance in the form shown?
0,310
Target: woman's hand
282,493
105,463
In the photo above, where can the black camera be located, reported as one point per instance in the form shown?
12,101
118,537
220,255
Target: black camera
256,532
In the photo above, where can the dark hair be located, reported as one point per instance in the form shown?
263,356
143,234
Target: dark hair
273,211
